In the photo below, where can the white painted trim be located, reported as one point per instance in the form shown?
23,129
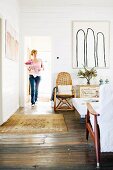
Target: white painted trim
21,68
0,69
8,116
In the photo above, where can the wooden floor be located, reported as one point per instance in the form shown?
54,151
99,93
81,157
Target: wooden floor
67,151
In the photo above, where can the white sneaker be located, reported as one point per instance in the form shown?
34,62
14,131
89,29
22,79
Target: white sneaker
33,105
36,102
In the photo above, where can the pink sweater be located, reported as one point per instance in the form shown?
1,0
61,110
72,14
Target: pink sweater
34,68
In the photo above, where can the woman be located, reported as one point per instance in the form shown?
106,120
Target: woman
34,67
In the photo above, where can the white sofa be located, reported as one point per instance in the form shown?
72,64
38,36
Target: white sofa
99,120
80,105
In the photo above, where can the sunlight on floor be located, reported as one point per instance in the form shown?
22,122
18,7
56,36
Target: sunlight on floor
39,108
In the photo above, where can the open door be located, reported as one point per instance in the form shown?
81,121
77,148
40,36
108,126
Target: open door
43,45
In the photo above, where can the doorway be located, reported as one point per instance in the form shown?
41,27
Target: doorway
43,45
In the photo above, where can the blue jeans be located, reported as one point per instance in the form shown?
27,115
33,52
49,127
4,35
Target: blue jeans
34,83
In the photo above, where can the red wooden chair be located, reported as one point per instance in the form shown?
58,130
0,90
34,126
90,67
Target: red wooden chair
99,122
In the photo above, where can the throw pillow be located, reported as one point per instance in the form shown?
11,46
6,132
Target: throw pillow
65,89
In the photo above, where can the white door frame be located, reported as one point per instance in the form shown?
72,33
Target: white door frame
1,42
22,71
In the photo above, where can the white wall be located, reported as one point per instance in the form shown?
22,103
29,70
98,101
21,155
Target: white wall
56,21
10,69
0,71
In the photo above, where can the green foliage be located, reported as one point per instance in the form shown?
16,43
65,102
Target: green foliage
88,74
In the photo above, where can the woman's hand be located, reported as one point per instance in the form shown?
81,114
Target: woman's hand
29,62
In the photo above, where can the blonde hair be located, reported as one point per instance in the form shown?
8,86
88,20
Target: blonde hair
33,51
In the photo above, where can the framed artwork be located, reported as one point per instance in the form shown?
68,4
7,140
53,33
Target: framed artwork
87,91
11,42
91,41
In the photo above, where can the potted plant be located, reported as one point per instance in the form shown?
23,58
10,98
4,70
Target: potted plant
88,74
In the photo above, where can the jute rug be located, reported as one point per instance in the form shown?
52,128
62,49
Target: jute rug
34,124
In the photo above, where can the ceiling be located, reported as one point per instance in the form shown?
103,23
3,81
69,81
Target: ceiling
55,3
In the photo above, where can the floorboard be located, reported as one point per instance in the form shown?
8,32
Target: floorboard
60,151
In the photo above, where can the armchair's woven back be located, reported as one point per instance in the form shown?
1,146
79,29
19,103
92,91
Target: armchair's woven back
63,78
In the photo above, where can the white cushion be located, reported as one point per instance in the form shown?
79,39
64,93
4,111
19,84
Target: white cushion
65,89
105,120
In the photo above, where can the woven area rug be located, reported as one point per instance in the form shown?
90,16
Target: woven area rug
34,124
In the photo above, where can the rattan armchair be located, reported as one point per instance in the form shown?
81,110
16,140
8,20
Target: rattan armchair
63,101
